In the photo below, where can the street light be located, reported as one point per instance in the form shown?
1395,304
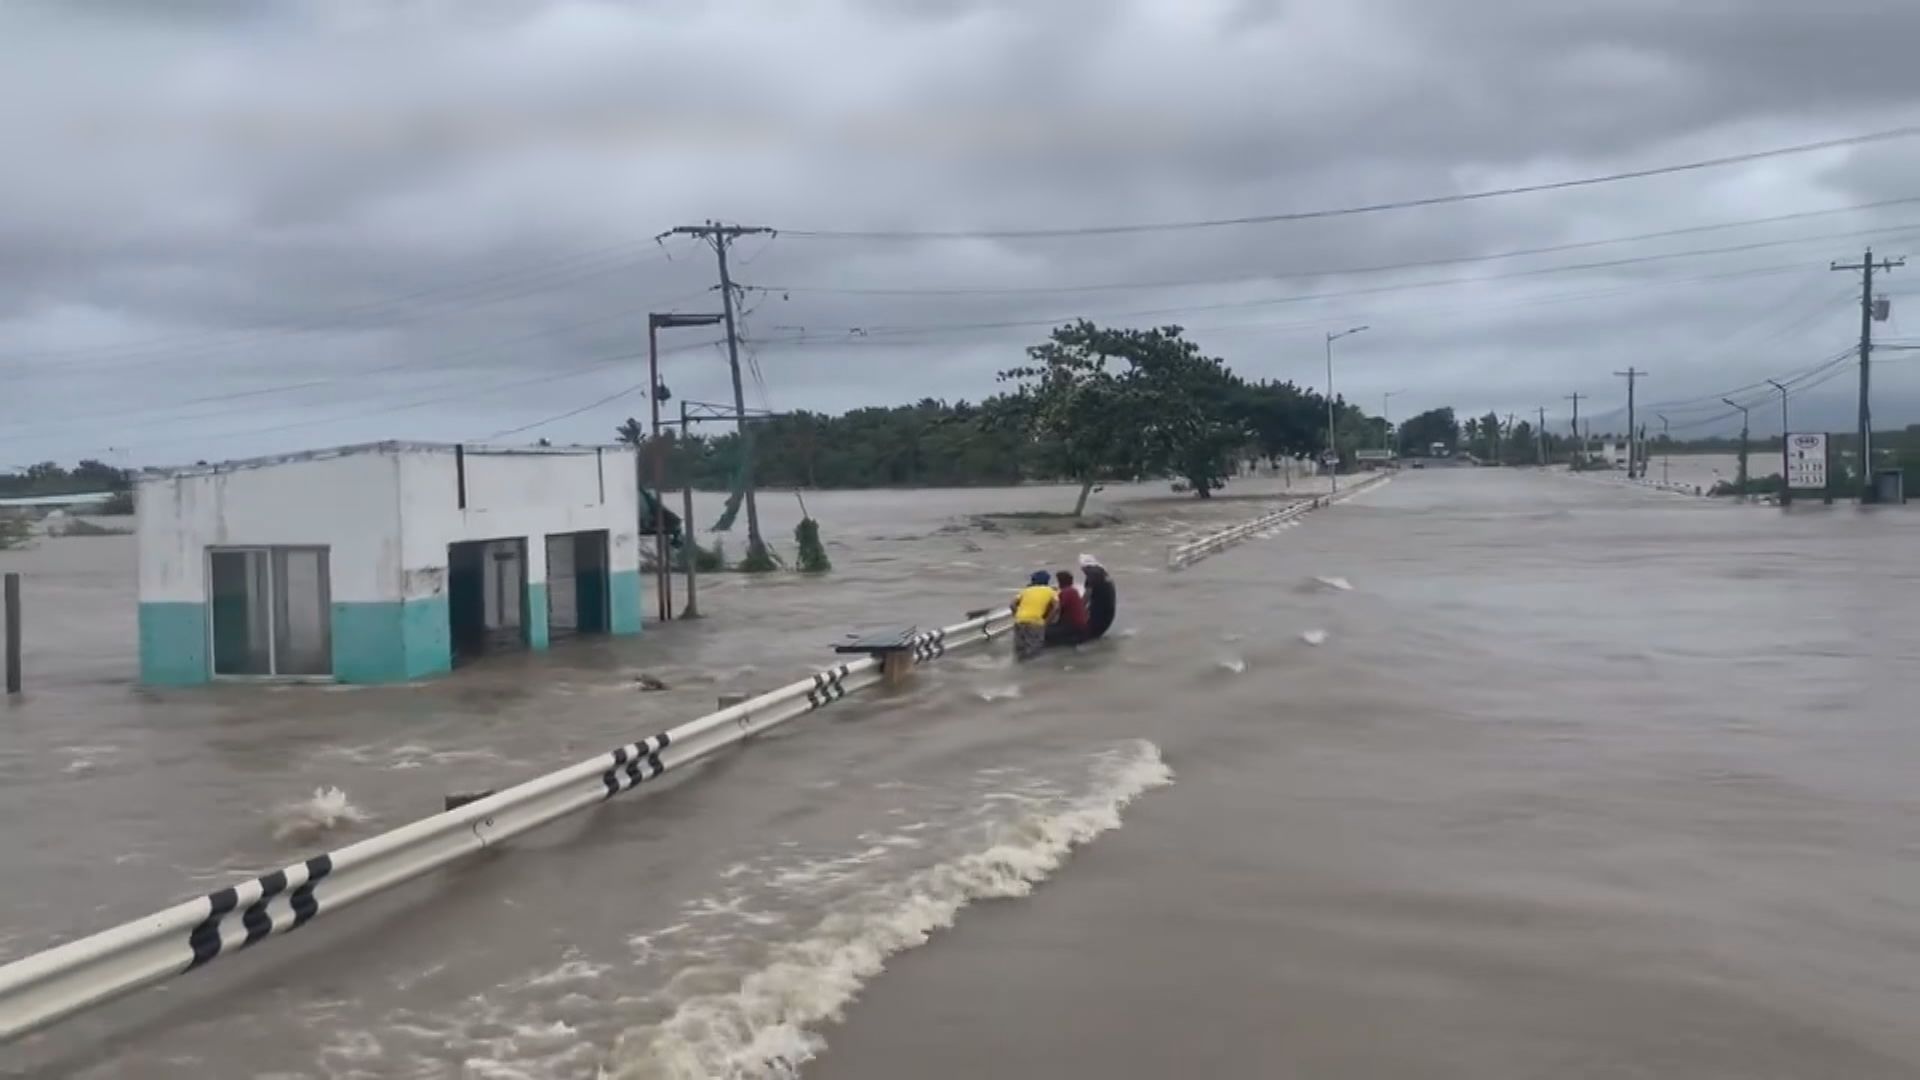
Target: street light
1743,446
1333,452
1386,414
656,322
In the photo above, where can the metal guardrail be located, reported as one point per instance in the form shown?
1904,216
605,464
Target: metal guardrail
40,989
1182,556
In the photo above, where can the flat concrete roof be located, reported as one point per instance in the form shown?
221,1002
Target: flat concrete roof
392,446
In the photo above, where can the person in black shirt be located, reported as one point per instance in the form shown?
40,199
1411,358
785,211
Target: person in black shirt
1101,598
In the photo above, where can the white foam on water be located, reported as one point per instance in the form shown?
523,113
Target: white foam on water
1233,664
1314,637
764,1026
329,809
1009,692
85,758
1339,584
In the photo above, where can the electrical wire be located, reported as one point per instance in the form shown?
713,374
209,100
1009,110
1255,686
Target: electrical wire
459,297
570,413
1606,264
1422,264
1887,135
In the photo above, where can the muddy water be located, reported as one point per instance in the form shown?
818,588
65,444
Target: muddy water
1481,774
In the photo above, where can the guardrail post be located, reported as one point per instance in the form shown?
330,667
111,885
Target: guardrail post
895,667
13,633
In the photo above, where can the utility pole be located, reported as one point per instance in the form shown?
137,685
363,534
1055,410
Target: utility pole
720,236
1540,435
1868,314
1580,447
1666,447
1509,434
1386,414
1631,375
1743,446
1786,488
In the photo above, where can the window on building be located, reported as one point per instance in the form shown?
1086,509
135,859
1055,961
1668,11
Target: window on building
271,610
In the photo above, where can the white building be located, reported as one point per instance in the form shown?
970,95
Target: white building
383,562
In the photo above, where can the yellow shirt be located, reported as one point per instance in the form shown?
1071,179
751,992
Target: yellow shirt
1033,603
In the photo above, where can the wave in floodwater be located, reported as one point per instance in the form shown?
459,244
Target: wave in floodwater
764,1026
327,811
1314,637
1232,665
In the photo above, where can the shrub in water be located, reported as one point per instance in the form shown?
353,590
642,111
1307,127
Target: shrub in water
813,554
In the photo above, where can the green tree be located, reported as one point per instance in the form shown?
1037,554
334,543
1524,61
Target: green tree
1081,417
1419,433
1518,447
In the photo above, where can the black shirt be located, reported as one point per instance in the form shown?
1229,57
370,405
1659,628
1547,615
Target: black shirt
1101,603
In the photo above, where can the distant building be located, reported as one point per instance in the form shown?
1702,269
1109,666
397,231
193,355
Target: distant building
381,563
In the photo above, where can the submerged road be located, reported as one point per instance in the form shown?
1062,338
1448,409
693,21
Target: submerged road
1577,780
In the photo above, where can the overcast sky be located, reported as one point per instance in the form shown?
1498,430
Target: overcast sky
233,227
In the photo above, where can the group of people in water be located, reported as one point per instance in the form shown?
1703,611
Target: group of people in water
1053,610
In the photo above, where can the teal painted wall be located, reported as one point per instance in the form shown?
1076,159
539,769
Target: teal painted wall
624,593
388,642
534,614
173,644
427,629
368,643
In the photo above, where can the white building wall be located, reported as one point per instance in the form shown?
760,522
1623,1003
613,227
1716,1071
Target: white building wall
348,504
530,495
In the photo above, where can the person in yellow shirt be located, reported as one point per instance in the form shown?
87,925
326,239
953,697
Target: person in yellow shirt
1033,609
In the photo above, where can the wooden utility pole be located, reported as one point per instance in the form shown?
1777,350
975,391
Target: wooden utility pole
1869,314
1540,435
1631,375
720,237
1579,446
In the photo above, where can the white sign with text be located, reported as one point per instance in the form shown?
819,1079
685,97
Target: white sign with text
1807,461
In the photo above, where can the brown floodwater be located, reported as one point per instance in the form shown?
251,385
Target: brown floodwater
1481,774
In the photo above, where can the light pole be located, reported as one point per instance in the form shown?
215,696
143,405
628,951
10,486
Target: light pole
656,322
1666,448
1743,446
1386,415
1785,489
1333,451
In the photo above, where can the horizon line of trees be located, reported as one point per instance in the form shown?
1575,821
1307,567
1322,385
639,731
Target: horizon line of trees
1091,405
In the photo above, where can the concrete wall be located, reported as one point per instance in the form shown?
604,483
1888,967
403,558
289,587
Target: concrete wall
386,516
347,504
519,495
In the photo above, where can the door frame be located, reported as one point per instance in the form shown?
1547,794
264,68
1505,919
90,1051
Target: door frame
273,610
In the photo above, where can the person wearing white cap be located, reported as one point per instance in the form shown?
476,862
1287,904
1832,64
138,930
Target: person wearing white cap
1102,601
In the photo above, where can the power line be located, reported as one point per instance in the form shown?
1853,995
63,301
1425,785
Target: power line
1607,264
1126,286
476,293
1369,208
442,360
570,413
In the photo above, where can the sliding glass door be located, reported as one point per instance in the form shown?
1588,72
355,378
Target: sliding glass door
271,609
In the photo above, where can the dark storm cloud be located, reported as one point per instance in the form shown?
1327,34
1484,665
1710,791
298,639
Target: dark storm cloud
434,219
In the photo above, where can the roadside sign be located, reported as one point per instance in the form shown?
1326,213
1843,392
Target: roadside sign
1807,462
